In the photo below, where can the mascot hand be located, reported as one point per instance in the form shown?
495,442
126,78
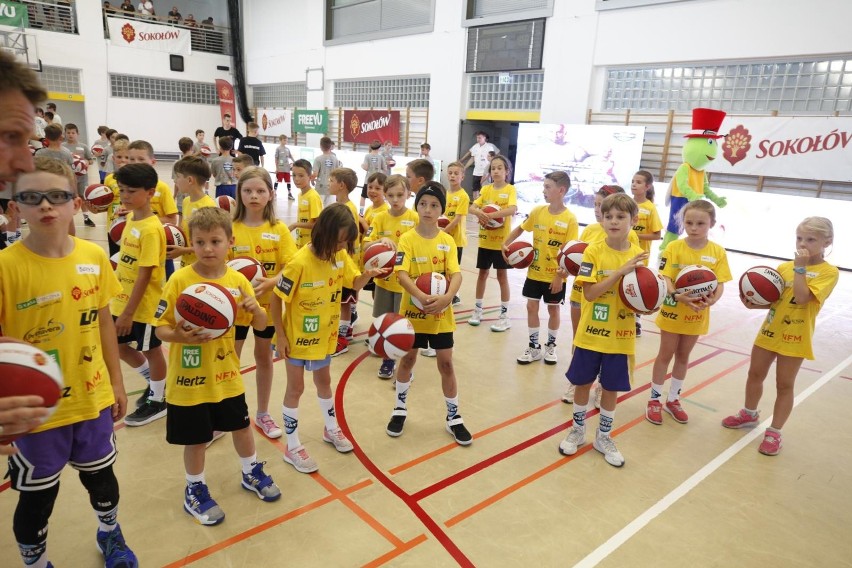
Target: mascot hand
689,193
717,199
720,201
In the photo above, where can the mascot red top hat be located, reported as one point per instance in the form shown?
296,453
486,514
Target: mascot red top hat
706,123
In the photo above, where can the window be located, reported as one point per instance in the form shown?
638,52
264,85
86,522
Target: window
61,80
505,91
505,47
167,90
348,21
281,95
479,12
382,93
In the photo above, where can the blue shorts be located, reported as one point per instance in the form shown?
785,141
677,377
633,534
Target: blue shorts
615,369
310,364
229,190
88,446
676,205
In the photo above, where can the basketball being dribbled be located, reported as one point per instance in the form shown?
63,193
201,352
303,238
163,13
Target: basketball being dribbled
391,336
27,370
696,280
249,267
379,255
227,203
761,285
174,235
98,197
520,254
570,256
642,290
492,223
117,229
208,306
430,283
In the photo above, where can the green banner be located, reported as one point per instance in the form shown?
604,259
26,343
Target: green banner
13,14
310,121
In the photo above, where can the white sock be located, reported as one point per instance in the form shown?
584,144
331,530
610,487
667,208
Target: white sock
534,335
248,463
657,391
674,389
327,407
551,336
107,520
606,419
452,407
343,328
190,479
402,394
291,427
158,390
504,308
478,304
144,370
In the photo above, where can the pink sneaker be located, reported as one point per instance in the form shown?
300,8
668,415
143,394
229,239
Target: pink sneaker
741,419
268,426
771,444
654,412
338,439
674,408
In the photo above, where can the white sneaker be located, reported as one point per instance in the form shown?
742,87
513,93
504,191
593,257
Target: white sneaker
336,437
502,324
576,437
550,354
598,393
476,318
428,352
529,355
568,397
606,445
299,458
268,426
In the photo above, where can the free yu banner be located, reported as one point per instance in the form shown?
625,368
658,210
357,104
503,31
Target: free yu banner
364,126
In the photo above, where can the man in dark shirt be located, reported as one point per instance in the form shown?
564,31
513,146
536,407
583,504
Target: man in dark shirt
227,129
251,144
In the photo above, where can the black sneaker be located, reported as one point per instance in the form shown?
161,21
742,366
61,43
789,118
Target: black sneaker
143,398
455,426
88,222
290,197
638,329
397,421
148,412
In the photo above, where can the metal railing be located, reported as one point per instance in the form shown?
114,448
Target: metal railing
51,15
204,37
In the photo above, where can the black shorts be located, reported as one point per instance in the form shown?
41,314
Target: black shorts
434,340
369,286
242,332
191,425
349,296
459,252
477,183
143,334
536,290
487,258
4,204
364,191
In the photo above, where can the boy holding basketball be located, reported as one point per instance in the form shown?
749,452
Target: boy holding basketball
52,283
205,389
606,341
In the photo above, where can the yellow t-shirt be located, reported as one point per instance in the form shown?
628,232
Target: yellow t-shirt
679,318
310,206
506,196
110,182
190,207
357,244
207,372
143,244
416,256
272,245
163,202
392,227
53,304
457,205
606,325
789,327
310,289
550,233
369,214
648,223
594,233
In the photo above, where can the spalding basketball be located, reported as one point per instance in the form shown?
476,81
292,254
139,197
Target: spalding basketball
27,370
443,222
570,255
520,254
174,235
205,150
208,306
493,223
98,197
117,229
642,290
80,166
761,285
250,268
227,203
391,336
97,149
431,283
696,280
379,255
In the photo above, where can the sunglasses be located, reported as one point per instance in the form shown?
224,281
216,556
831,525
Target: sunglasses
54,197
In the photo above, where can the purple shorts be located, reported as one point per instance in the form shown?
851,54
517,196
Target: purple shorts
615,369
87,446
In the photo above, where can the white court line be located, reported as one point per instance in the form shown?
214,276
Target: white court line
637,524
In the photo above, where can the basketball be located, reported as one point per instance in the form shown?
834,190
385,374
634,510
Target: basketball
696,280
391,336
27,370
116,229
80,166
174,235
379,255
208,306
570,255
493,223
431,283
520,254
227,203
761,285
97,149
443,222
250,268
98,197
642,290
113,260
205,150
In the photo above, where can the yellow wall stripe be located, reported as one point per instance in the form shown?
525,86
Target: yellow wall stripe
54,96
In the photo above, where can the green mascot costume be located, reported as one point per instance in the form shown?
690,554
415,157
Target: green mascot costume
690,181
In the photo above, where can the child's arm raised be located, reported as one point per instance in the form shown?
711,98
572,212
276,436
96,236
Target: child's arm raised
109,345
594,290
361,281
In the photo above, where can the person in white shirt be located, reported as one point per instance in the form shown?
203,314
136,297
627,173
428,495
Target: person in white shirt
478,154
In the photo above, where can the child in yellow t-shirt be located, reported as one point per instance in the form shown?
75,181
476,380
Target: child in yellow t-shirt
458,204
191,176
119,158
310,203
341,182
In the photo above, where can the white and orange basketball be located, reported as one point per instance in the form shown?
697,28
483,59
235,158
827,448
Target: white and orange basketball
391,336
570,255
430,283
493,223
117,229
227,203
208,306
761,285
174,235
98,197
249,267
696,280
520,254
379,255
80,166
642,290
27,370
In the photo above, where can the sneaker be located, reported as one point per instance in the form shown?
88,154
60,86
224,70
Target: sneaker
216,435
342,346
771,444
268,426
654,412
260,484
299,458
143,397
396,422
456,300
115,551
455,426
198,503
568,396
741,419
476,317
502,324
386,369
88,222
598,394
638,329
674,408
530,354
148,412
428,352
290,197
576,437
606,446
338,439
550,354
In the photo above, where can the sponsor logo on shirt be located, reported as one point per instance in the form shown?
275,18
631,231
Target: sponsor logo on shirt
311,305
44,333
310,324
271,237
708,259
663,261
286,285
600,312
190,357
77,292
87,354
399,258
585,269
445,248
50,298
161,308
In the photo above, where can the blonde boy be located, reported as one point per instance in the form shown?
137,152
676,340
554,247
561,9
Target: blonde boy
458,203
310,203
191,175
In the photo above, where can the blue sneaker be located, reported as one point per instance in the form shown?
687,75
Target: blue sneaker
115,550
386,369
198,503
261,484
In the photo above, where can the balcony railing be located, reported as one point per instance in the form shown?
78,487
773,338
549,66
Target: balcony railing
52,15
204,37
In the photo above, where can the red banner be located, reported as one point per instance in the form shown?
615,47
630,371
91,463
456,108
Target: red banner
226,100
364,126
